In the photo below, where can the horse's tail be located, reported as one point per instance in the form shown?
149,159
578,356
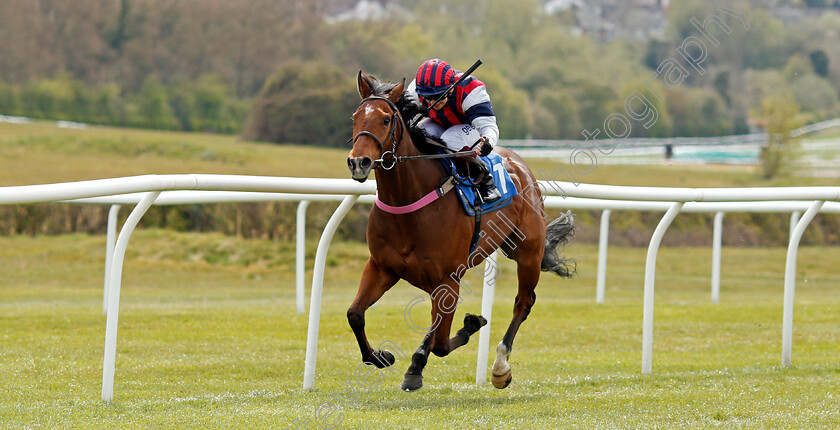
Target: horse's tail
559,232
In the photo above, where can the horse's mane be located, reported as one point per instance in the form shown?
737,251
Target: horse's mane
409,108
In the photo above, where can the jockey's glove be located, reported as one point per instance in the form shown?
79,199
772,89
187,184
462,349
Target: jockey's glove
486,149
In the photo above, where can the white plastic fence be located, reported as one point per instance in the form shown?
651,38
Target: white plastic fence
555,202
195,197
640,198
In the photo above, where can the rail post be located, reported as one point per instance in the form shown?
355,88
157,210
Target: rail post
717,238
603,243
790,279
300,256
111,237
109,360
650,275
318,288
488,293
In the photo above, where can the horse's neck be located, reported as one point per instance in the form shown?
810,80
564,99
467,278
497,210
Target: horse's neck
409,180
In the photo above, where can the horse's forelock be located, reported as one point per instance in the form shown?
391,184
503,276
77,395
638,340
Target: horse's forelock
381,88
405,104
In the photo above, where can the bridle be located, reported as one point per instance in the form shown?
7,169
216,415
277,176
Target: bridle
389,156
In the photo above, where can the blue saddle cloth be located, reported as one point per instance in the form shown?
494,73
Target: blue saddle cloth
468,195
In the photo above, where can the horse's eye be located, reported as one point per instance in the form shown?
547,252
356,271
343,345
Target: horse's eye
387,120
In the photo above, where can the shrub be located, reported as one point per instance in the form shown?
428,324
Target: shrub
151,107
10,102
555,116
307,103
779,114
49,98
697,112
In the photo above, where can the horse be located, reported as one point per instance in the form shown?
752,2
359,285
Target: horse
429,247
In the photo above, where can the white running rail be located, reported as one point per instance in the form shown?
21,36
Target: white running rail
673,200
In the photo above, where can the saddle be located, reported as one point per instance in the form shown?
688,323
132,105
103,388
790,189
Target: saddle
467,192
466,178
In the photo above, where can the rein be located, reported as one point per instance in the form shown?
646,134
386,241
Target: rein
434,156
390,156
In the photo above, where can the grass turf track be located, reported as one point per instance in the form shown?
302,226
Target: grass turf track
219,345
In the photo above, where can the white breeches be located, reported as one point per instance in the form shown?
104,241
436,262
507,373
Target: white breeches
456,137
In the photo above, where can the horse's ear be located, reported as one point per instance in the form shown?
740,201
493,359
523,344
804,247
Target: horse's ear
364,86
395,93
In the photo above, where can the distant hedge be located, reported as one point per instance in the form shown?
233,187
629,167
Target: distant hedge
201,105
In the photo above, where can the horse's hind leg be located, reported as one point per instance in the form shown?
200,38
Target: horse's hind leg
528,272
375,282
444,300
414,375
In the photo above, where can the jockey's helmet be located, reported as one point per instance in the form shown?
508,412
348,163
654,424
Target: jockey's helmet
434,77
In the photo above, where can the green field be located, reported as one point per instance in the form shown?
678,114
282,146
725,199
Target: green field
219,345
209,337
41,153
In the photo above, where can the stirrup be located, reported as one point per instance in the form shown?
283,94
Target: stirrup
489,195
487,191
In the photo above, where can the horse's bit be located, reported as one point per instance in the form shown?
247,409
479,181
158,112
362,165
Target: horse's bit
389,156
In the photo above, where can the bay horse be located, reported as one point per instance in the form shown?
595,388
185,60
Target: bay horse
429,247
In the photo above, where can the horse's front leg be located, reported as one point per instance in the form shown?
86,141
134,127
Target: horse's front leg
375,282
437,341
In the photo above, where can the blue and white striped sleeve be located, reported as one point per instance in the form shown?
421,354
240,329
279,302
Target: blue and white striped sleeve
479,111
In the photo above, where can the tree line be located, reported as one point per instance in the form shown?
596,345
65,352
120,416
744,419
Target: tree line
275,70
201,105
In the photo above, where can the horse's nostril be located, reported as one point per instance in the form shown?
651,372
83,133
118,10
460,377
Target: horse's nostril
351,163
366,162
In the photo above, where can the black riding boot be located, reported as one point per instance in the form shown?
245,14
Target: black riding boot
487,190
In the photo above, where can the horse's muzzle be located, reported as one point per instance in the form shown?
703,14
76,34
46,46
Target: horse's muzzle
359,167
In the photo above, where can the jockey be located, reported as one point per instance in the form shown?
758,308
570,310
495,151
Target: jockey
462,120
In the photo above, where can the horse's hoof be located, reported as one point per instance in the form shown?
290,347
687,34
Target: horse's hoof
383,359
502,381
412,382
474,323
